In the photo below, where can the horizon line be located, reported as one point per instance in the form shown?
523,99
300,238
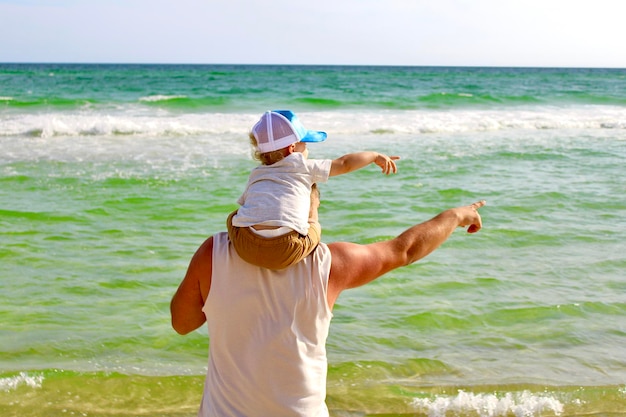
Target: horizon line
303,65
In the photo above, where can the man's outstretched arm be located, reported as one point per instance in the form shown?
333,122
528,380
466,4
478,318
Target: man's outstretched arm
354,265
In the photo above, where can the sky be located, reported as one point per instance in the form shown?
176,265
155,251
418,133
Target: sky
523,33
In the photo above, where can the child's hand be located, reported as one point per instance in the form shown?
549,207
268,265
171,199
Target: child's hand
386,163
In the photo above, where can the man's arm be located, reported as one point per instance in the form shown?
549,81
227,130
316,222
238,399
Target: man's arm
353,161
186,305
354,265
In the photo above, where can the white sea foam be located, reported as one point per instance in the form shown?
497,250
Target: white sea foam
157,123
164,139
13,382
49,125
460,121
524,404
160,97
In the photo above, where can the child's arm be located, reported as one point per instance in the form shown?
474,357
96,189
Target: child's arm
353,161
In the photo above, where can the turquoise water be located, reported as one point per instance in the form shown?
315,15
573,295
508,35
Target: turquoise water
111,176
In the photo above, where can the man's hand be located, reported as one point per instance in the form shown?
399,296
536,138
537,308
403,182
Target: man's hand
468,216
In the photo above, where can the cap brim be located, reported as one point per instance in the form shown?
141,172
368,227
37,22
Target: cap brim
314,136
310,135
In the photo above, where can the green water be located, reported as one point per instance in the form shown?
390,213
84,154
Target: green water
66,393
102,205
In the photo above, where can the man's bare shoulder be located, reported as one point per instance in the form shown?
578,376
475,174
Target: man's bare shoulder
206,266
206,248
353,265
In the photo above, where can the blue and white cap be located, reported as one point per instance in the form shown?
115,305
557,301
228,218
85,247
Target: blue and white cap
278,129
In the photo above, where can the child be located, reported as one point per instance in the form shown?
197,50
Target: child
273,227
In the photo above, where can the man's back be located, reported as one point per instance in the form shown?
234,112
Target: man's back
267,336
255,381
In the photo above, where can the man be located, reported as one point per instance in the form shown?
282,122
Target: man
268,328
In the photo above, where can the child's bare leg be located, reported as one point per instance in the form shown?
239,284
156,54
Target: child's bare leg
315,203
315,229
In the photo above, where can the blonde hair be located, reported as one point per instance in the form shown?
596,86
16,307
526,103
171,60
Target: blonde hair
266,158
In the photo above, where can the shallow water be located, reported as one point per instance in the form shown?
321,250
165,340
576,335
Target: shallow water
108,187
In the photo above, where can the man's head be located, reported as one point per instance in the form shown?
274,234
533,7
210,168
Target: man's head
278,129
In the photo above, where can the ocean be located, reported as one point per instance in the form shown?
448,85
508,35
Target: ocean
112,175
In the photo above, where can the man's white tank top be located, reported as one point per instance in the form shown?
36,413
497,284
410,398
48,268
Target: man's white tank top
267,331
